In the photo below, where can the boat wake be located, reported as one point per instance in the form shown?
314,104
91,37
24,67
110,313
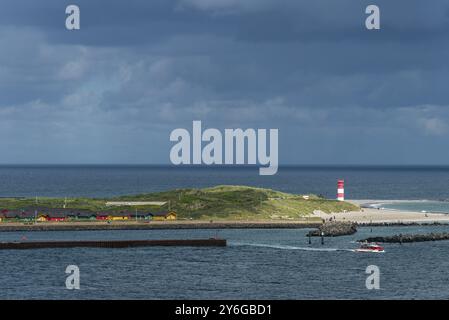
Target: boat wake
286,247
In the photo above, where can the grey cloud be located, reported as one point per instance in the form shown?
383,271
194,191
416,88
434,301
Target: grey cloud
133,73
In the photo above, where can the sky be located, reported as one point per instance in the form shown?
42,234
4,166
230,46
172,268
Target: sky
113,91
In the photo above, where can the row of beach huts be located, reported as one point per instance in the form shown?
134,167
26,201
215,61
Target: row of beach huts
58,215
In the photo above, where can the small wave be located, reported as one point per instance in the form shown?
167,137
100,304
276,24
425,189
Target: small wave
286,247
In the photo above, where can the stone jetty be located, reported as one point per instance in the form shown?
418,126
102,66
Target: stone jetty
406,238
334,229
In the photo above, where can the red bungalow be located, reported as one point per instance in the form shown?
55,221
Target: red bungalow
101,217
57,219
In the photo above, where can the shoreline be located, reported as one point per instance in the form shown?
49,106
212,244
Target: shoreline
366,216
163,225
185,225
373,216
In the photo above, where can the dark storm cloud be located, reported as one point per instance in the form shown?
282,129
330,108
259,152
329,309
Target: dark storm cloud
112,91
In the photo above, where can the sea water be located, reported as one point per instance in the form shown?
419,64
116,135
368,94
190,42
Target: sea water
421,206
257,263
361,182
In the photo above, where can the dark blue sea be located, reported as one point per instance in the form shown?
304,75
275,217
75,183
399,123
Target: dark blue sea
361,182
257,264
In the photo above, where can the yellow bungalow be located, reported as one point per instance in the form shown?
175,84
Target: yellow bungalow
166,215
118,217
42,218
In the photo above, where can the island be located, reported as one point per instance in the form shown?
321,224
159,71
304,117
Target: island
214,207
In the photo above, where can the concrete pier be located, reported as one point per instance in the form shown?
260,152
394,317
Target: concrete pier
113,244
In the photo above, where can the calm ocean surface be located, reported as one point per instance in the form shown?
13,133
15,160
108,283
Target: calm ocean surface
259,264
430,183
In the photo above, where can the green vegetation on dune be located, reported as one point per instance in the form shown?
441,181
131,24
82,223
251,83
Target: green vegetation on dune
241,202
220,202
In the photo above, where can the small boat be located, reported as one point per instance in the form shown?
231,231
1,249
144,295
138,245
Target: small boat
370,247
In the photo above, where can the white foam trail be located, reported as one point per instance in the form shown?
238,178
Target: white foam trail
285,247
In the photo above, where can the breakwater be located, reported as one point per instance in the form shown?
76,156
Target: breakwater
406,238
334,229
113,244
402,224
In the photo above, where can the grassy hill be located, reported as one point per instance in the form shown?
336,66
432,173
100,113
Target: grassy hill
241,202
220,202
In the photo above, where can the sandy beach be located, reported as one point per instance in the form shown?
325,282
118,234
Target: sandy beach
373,215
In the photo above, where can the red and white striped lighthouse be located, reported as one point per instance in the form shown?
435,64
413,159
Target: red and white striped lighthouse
341,190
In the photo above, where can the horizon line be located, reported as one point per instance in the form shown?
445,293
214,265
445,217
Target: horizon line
220,165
